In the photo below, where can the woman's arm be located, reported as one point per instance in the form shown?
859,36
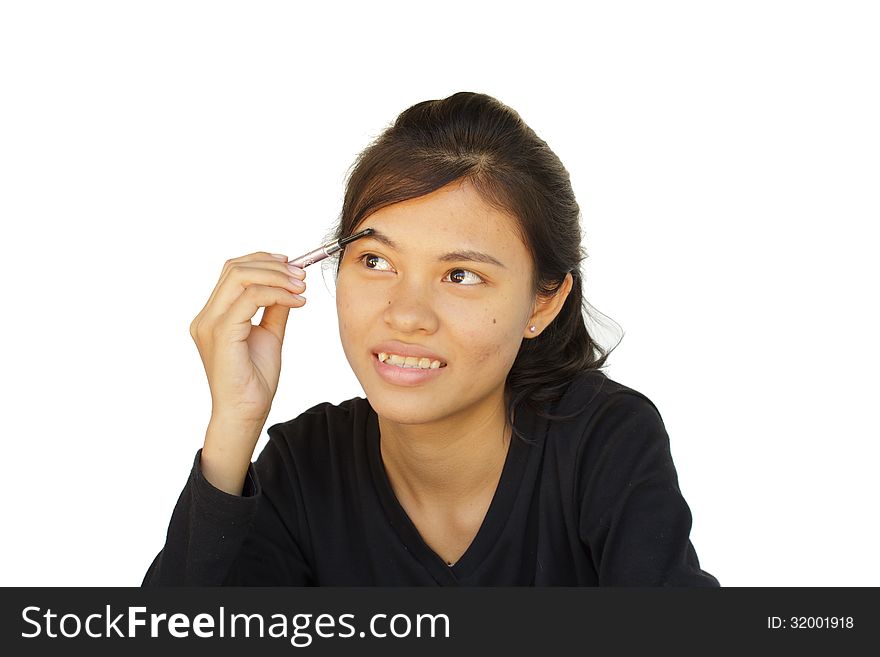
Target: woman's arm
634,519
215,538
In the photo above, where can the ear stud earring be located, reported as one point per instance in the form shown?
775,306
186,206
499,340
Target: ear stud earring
532,329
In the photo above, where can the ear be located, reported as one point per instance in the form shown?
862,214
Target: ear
546,308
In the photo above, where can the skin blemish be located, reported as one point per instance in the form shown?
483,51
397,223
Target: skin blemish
493,320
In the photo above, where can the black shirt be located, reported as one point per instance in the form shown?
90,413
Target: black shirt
594,502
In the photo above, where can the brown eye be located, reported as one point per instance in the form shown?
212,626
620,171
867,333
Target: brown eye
370,257
458,278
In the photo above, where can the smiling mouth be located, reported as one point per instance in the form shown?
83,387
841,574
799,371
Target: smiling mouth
409,362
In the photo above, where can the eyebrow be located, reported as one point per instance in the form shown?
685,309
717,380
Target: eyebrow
453,256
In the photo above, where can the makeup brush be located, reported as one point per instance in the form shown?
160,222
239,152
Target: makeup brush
327,250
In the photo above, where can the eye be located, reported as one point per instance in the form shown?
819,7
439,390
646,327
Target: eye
372,257
479,280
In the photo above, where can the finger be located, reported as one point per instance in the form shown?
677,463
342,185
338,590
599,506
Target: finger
258,259
237,320
241,276
275,318
262,257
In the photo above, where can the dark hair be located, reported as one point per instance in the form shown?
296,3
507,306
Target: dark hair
475,137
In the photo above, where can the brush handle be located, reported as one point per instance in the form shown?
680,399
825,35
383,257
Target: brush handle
318,254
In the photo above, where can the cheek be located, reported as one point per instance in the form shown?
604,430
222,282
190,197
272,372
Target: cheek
347,285
491,337
348,305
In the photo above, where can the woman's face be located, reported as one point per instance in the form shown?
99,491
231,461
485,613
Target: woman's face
471,314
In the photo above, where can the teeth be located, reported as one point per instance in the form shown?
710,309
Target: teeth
409,361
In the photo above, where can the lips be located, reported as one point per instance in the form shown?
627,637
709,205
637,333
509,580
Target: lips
414,378
404,349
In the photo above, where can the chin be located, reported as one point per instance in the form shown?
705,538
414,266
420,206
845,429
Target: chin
402,407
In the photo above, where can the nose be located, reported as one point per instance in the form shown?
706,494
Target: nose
409,309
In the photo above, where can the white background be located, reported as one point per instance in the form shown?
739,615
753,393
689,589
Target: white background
724,154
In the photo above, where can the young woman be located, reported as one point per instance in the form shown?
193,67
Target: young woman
490,449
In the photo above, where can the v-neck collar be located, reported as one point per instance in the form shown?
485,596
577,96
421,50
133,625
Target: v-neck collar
496,516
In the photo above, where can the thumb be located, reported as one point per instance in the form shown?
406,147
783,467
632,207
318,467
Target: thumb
274,320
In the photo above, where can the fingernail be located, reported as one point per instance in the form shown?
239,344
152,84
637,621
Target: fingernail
279,256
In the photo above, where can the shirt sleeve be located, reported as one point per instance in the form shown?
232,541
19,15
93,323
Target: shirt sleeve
634,519
215,538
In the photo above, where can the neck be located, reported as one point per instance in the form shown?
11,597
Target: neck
447,463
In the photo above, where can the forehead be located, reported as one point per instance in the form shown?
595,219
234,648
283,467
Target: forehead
454,215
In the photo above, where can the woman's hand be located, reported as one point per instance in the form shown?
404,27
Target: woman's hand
243,360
